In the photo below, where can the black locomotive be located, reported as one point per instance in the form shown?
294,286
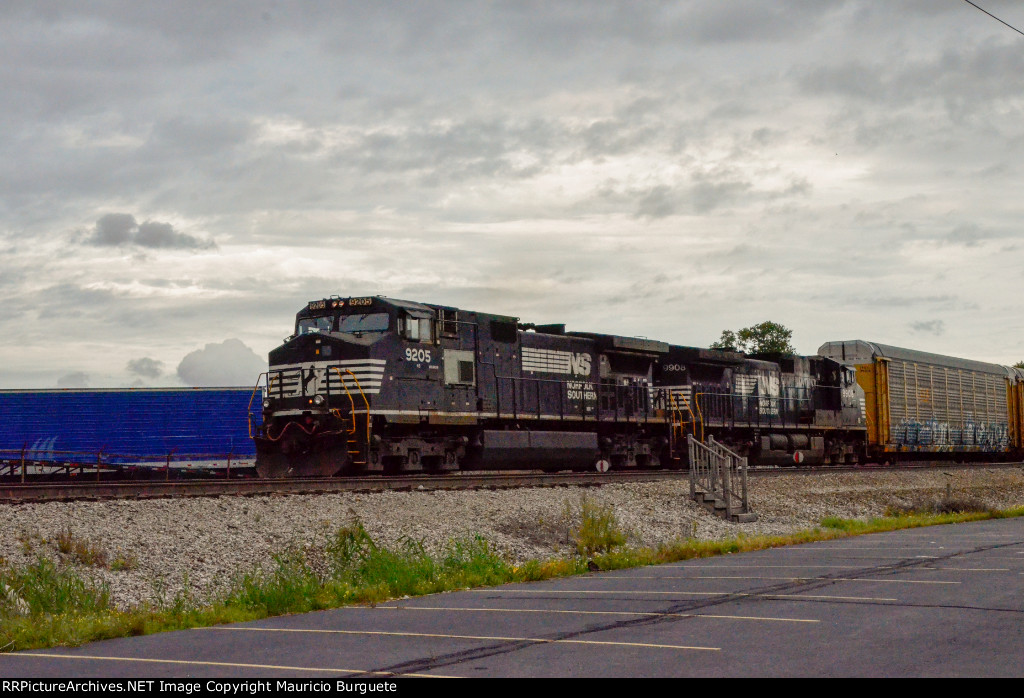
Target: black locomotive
376,384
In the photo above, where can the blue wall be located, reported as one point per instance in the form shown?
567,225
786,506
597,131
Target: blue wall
152,422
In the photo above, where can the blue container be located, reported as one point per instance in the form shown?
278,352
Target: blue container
146,422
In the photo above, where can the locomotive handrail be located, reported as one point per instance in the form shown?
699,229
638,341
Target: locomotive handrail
365,402
341,379
248,413
675,399
700,413
756,408
676,410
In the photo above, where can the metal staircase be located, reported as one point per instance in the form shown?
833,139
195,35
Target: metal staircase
718,480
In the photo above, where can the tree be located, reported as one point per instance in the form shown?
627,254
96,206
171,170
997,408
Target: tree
765,338
1019,364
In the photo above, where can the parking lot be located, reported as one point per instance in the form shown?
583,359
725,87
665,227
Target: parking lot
938,601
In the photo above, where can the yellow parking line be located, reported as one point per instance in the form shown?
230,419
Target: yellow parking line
813,596
844,567
676,593
190,662
763,566
790,579
494,638
594,613
811,548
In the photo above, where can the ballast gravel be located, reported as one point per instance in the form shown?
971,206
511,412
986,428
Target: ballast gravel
196,546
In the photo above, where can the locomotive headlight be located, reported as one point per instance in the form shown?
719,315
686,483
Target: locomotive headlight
266,404
318,400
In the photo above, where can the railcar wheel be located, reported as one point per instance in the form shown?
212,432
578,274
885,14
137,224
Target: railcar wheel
602,465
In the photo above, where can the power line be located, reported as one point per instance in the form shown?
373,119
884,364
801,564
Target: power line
994,17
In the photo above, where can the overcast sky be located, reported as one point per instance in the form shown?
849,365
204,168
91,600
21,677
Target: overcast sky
179,178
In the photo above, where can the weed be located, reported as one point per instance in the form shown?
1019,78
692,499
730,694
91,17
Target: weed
49,589
28,542
83,550
599,530
949,504
65,541
124,562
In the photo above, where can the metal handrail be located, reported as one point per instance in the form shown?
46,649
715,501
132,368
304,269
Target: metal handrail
714,469
253,396
341,379
365,402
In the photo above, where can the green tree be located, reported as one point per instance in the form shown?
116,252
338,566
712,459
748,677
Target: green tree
765,338
1019,364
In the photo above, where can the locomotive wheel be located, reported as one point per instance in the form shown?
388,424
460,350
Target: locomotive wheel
602,465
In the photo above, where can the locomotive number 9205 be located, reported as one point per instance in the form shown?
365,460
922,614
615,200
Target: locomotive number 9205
420,356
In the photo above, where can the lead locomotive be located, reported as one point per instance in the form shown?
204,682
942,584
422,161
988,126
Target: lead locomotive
376,384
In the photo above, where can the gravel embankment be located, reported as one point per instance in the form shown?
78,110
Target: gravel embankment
202,543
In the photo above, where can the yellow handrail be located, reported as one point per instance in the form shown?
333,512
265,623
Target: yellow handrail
253,396
687,403
352,404
365,402
699,413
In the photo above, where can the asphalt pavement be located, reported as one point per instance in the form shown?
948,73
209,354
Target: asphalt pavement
937,601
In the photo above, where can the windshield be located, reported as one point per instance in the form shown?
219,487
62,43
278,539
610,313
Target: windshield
370,322
312,325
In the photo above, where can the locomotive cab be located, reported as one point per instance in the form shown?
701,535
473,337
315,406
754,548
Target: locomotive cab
324,378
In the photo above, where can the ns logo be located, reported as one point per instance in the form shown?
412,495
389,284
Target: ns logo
579,364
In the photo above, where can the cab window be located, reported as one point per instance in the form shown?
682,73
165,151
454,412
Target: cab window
417,329
313,325
365,322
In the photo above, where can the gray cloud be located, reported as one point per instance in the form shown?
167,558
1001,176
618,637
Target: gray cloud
935,327
75,379
114,229
229,363
145,367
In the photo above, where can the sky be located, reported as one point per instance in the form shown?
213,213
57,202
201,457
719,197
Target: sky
179,179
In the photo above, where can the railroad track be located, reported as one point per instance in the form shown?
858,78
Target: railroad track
213,487
62,491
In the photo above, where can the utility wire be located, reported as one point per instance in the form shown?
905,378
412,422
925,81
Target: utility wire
994,17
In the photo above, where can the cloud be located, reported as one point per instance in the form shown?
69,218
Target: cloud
935,327
146,367
229,363
115,229
75,379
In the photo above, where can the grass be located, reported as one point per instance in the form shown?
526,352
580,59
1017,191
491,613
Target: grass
45,604
83,550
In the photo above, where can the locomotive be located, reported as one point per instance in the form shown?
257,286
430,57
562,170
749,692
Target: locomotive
379,385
